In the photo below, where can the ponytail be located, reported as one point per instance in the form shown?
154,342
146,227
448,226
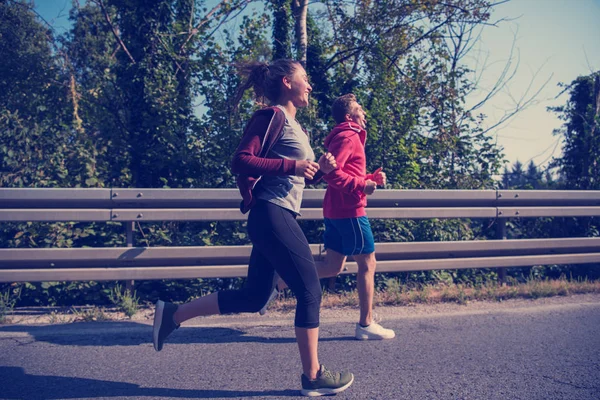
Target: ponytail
264,78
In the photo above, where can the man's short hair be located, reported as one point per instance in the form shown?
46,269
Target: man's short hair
342,106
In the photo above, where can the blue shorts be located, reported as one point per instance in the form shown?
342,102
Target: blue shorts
349,236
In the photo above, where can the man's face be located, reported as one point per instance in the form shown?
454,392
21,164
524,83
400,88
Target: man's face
357,115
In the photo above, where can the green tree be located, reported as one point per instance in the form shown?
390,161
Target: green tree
580,161
533,176
579,165
90,49
39,142
281,28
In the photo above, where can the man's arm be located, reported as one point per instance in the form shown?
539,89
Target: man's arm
342,149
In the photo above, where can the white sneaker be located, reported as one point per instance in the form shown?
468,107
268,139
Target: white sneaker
373,332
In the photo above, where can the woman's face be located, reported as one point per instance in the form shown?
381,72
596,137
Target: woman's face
298,87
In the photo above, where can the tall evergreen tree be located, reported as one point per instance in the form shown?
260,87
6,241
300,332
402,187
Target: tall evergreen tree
533,176
580,161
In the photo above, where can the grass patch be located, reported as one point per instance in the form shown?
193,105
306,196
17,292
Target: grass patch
89,314
8,300
397,294
394,294
56,317
124,300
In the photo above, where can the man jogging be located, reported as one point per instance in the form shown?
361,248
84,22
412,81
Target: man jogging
347,228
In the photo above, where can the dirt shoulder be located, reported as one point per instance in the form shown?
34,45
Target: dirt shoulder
54,315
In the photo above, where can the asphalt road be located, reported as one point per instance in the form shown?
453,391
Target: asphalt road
547,349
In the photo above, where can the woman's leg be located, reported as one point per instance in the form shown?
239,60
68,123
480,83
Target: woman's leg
308,343
279,239
203,306
254,294
257,289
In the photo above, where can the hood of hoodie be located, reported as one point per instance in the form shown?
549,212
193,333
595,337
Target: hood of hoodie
346,130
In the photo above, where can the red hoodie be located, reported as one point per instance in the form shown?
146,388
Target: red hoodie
345,197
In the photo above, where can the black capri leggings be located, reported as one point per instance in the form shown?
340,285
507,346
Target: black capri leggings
279,245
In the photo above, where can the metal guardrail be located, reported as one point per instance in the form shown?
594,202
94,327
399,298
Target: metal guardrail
130,205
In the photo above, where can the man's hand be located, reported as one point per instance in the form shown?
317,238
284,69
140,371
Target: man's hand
379,177
327,163
306,169
370,186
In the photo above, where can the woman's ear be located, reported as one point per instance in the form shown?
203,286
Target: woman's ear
287,82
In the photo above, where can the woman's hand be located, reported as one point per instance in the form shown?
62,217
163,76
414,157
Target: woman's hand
327,163
306,169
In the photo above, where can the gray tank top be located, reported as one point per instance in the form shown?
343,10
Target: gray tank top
286,191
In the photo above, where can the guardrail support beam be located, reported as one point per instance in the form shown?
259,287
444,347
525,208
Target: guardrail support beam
129,284
501,235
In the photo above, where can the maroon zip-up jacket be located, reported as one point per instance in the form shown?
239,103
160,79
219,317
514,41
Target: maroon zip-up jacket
249,160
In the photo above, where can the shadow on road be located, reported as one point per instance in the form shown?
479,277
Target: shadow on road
33,387
134,334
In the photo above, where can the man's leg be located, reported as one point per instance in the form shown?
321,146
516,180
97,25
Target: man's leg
333,239
367,329
333,265
366,286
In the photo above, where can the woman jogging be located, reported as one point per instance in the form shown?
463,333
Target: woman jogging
273,161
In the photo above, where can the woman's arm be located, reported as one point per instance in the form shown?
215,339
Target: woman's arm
247,160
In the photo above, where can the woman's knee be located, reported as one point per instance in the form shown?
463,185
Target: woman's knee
238,301
307,312
257,301
308,306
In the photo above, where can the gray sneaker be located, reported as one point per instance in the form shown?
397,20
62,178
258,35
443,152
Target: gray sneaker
327,383
272,296
163,323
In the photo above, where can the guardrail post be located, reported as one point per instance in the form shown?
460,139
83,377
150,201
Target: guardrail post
129,229
331,280
501,235
331,284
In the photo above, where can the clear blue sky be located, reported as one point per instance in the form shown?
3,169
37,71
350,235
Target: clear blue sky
554,41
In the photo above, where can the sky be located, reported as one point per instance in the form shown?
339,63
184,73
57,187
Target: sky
552,41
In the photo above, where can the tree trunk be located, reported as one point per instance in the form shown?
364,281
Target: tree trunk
597,99
300,10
